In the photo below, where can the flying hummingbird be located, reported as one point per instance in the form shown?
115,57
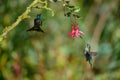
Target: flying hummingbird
37,23
88,54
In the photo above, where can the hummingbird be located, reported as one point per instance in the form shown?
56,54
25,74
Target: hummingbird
37,23
88,54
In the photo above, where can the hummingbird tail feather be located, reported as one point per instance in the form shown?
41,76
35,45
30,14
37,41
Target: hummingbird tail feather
90,62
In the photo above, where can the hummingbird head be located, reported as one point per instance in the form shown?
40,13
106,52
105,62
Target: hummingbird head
38,16
87,48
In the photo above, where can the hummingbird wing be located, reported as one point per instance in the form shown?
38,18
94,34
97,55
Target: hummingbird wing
93,53
39,30
31,29
88,58
36,29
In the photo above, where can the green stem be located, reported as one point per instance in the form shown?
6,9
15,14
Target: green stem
83,39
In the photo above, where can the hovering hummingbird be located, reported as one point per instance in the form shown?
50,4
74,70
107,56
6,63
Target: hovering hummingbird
37,23
88,54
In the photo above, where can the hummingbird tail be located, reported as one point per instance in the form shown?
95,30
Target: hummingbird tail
90,62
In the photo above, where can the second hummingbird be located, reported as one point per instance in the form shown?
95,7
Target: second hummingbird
88,54
37,24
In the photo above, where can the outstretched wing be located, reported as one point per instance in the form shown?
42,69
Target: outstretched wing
36,29
93,53
40,30
31,29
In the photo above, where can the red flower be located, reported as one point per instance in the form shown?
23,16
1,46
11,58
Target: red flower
75,31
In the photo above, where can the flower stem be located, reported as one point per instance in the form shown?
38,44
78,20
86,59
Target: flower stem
83,39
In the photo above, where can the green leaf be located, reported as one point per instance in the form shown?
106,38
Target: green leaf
68,14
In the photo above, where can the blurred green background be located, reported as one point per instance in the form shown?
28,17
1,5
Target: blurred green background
53,55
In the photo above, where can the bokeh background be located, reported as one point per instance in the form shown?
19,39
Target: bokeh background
54,55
